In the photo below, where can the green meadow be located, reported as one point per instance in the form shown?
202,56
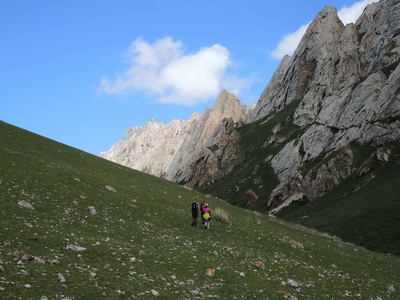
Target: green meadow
98,230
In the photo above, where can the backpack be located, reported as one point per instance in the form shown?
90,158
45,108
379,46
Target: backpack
195,206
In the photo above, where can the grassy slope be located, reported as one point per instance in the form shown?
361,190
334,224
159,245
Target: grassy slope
362,209
368,218
148,219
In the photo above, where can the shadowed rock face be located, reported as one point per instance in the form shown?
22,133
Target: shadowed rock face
347,82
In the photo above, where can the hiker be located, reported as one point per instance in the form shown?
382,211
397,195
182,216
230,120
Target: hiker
207,216
202,205
195,211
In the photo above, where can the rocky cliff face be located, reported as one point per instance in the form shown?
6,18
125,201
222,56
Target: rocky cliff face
183,151
346,81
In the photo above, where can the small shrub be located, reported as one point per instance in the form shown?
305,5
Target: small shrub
221,215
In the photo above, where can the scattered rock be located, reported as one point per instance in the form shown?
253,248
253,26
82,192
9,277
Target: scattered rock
195,292
23,272
54,261
76,248
92,210
110,188
291,241
251,198
259,264
25,204
287,295
28,286
391,289
154,293
210,272
1,269
292,283
61,278
33,259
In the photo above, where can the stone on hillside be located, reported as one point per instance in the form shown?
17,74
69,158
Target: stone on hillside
250,198
155,293
295,244
292,283
25,204
110,188
259,264
92,210
1,269
210,272
76,248
61,278
391,289
195,292
33,259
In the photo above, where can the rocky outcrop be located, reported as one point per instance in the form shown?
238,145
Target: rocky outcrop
183,151
348,80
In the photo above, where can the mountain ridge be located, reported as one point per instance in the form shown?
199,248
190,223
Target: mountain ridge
335,99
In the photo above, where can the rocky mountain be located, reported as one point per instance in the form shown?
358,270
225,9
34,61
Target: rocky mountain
341,86
183,151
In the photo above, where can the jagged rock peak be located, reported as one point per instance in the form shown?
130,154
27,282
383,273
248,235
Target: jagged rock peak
227,102
294,74
172,150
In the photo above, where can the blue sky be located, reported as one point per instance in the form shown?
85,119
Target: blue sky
84,72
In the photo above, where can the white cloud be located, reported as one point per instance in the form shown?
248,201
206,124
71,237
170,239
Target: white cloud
289,43
163,69
351,14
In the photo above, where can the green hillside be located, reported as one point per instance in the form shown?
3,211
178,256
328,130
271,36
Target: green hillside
362,209
139,244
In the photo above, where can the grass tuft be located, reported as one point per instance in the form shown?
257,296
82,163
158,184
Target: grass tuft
221,215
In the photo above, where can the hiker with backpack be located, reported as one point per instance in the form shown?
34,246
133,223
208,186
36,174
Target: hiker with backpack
195,211
207,216
202,205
